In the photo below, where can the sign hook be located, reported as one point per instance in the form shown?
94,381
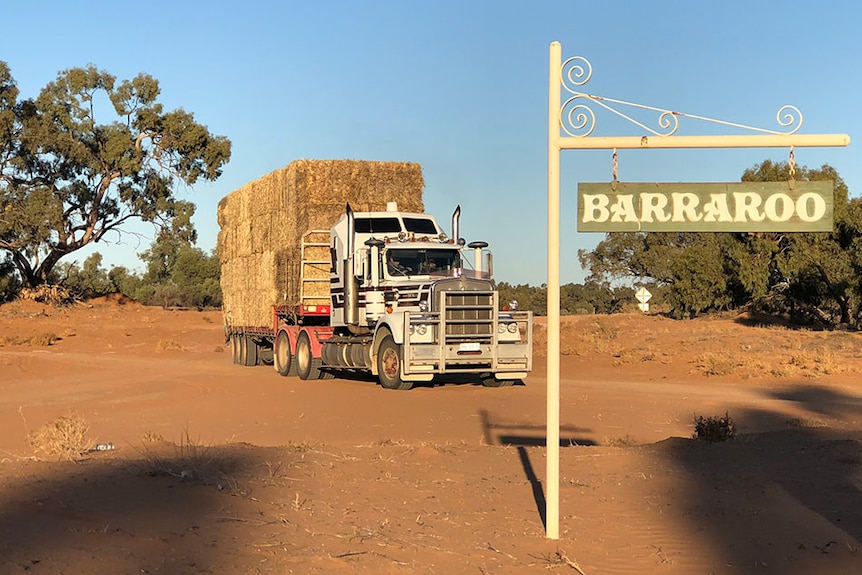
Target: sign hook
792,165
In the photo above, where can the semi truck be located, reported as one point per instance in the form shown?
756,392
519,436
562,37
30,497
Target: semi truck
391,294
333,266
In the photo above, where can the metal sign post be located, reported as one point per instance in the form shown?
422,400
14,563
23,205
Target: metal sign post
575,118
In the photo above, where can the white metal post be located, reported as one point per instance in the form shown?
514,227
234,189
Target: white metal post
552,453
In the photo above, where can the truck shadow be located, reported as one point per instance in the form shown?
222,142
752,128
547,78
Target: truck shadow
438,381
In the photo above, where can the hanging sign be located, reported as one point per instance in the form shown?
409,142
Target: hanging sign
705,207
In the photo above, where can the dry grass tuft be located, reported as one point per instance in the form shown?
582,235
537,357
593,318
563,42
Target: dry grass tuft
170,345
627,441
714,364
64,437
187,460
39,340
47,294
44,339
152,437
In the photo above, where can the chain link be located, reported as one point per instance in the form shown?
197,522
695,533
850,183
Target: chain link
792,166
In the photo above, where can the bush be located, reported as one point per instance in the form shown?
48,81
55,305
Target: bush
714,429
64,437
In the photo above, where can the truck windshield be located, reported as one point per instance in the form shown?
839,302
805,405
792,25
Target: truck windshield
405,262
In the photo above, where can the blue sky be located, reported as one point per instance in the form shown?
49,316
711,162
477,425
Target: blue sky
461,88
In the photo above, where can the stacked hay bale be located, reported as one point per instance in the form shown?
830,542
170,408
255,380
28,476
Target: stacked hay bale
262,224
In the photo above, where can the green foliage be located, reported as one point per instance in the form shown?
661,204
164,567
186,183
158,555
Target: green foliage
196,274
178,273
808,277
67,179
9,284
88,281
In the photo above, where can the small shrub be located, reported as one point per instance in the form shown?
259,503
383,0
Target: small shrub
627,441
714,429
152,437
711,364
65,437
44,339
170,345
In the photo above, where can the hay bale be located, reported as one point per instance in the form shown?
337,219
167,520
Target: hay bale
261,226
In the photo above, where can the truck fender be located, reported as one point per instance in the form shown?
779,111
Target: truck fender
316,336
291,337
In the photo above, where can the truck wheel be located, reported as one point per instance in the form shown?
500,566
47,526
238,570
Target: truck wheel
307,366
264,355
282,358
389,365
248,348
488,380
234,348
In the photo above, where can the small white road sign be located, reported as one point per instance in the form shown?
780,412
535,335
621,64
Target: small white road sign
643,295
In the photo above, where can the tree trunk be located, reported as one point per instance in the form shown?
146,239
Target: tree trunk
43,272
28,278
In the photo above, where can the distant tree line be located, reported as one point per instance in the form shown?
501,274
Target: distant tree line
590,297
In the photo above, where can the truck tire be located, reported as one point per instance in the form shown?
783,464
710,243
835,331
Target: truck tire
234,348
281,356
488,380
264,355
248,349
307,366
389,365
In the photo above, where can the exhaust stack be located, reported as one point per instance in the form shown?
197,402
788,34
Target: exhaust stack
456,216
351,296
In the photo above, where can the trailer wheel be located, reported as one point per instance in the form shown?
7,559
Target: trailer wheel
248,350
488,380
234,347
389,365
264,355
307,366
282,358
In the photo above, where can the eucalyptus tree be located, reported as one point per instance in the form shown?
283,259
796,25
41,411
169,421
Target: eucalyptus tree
86,157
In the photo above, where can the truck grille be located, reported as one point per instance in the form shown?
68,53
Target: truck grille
469,316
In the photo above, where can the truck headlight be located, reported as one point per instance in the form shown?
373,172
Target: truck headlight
501,328
421,329
512,327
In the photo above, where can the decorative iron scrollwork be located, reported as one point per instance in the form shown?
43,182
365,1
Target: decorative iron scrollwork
577,118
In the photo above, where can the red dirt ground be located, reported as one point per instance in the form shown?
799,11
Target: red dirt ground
225,469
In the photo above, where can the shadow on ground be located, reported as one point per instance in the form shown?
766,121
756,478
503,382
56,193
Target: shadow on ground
787,500
108,515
